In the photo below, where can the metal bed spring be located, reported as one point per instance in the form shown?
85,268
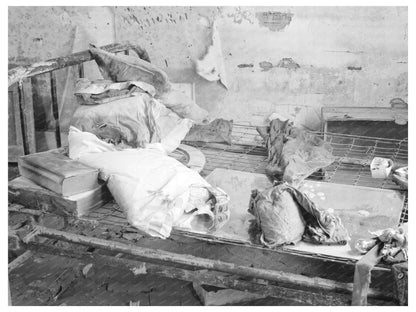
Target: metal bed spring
353,156
248,153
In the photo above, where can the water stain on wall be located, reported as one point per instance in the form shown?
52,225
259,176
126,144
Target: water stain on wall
354,68
275,21
265,66
241,15
288,62
245,65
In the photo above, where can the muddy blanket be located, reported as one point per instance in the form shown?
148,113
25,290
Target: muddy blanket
293,154
132,122
284,215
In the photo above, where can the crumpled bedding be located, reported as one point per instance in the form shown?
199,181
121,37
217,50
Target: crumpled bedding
293,154
155,191
284,215
131,122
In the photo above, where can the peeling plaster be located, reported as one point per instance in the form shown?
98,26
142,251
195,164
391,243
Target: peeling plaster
265,65
245,65
288,63
241,15
354,68
275,21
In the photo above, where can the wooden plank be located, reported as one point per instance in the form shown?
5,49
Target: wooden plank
15,151
23,121
29,117
46,140
20,260
81,71
14,115
55,109
224,296
26,192
10,295
22,209
20,72
363,113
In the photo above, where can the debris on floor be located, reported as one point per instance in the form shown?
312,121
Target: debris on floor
224,296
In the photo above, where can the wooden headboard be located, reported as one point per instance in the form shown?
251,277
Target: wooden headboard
20,79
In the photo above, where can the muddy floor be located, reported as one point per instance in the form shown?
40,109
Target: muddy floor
56,280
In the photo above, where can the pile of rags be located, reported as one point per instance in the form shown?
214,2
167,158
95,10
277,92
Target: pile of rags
389,246
293,154
284,215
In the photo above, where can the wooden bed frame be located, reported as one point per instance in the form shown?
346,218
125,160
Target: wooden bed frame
306,278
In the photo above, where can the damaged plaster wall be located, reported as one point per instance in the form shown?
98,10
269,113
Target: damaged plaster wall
41,33
289,60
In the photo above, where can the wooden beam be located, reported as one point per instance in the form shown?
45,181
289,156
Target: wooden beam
363,113
55,109
214,278
22,209
149,254
18,73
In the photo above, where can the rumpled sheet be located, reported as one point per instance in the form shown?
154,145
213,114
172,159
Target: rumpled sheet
155,191
293,154
284,215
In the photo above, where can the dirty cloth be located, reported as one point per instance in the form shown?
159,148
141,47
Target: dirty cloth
293,154
119,68
390,247
155,191
285,215
132,122
102,91
362,276
218,131
401,177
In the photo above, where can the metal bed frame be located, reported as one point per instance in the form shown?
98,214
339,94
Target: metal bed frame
307,278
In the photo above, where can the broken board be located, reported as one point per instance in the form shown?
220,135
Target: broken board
361,209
